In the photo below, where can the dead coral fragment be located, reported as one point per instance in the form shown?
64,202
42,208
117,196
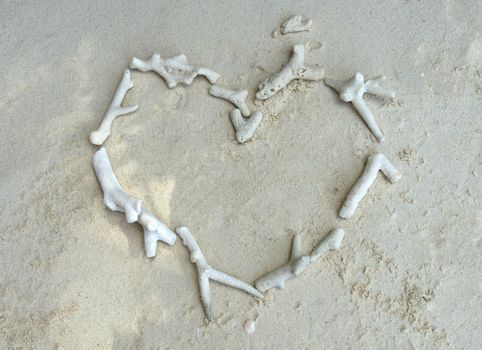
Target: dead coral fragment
206,273
352,90
115,110
296,24
374,163
174,70
298,262
294,69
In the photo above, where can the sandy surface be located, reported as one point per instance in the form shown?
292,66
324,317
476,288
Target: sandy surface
73,274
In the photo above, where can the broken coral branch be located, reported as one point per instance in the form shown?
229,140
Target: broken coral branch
374,163
245,127
154,230
352,90
116,199
294,69
237,98
278,277
206,273
173,70
115,110
332,241
298,262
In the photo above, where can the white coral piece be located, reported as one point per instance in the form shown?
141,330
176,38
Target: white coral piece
237,98
352,90
115,110
298,262
295,68
245,127
174,70
374,163
296,24
116,199
206,273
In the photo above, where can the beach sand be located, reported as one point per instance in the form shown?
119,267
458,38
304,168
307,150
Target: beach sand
74,275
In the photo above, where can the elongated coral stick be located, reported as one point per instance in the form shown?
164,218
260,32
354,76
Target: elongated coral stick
332,241
116,199
298,262
115,110
295,265
374,163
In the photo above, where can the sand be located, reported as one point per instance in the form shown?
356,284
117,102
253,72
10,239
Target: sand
73,275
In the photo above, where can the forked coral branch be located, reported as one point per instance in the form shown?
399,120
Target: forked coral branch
173,70
278,277
245,127
294,69
374,163
116,199
237,98
299,262
352,90
206,273
154,230
115,110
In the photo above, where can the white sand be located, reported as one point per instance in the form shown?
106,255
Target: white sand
73,274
